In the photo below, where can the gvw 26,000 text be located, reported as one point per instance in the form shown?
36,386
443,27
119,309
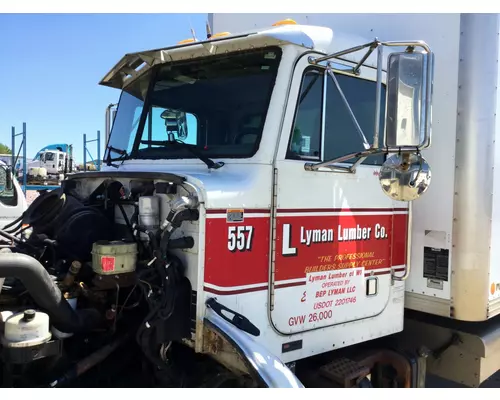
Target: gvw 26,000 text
312,317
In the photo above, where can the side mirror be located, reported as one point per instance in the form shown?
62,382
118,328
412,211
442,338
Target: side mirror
9,185
405,175
175,121
409,96
6,184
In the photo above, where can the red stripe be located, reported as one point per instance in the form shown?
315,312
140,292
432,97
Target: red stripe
383,272
291,284
283,285
245,210
237,291
304,210
312,210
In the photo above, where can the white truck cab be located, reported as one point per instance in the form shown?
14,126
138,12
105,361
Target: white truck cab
48,166
269,130
52,160
12,200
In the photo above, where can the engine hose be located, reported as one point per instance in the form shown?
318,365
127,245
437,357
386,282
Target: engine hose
164,242
160,310
14,229
170,291
18,220
44,210
10,237
127,222
89,362
46,294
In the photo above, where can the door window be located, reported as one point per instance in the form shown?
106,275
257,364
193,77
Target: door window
340,135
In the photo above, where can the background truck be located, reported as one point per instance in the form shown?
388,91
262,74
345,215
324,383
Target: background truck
282,232
50,165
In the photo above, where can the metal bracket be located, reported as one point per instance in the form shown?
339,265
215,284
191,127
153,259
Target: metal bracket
362,155
374,148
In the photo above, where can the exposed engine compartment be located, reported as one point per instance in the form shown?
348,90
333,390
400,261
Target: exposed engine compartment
89,269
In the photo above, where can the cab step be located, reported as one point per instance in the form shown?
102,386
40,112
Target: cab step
345,372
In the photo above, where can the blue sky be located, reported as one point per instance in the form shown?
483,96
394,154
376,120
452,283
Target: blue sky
50,66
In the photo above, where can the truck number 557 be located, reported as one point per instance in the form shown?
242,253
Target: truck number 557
239,238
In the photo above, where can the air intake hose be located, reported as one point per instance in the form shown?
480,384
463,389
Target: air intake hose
46,294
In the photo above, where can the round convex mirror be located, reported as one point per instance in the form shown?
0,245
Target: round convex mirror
405,177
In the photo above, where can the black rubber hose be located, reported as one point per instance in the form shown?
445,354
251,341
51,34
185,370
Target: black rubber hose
42,213
46,294
10,237
89,362
6,227
13,229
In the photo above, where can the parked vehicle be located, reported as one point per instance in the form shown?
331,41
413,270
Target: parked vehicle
50,165
262,199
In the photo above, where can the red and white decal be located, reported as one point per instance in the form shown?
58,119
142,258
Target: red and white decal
328,255
236,251
308,244
310,241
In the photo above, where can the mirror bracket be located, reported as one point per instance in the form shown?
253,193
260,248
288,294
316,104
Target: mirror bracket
405,174
361,156
329,164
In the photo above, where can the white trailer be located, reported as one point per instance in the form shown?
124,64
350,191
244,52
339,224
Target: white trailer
455,228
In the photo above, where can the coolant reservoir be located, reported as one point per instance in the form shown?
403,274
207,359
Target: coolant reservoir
115,257
25,329
149,213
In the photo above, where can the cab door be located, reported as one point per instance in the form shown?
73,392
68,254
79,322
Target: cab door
335,234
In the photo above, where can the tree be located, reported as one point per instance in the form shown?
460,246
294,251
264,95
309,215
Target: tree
4,149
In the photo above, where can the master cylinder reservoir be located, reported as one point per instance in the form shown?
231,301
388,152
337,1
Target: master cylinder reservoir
115,257
149,214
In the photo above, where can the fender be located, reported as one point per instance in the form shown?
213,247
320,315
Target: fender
272,372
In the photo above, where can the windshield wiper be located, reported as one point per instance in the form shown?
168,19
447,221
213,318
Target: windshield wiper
209,162
123,156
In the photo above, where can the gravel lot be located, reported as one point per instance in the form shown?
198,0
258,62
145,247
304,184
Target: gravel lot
31,195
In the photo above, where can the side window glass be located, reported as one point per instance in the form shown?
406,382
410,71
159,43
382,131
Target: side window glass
7,196
305,142
341,135
133,127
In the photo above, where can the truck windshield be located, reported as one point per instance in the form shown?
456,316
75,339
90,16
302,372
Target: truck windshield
218,105
49,156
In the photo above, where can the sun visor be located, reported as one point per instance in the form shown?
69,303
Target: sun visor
133,65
